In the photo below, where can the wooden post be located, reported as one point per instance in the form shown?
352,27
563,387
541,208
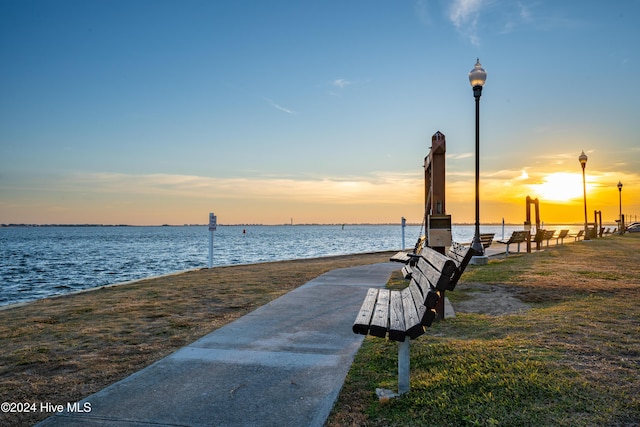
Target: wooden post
438,150
403,366
536,204
438,223
527,224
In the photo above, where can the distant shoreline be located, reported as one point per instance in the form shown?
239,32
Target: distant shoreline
274,225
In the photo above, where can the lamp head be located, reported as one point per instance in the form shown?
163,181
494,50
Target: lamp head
619,185
477,76
583,159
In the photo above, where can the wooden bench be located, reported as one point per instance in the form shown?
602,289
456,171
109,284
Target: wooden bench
579,235
486,239
516,237
543,235
548,235
401,315
561,236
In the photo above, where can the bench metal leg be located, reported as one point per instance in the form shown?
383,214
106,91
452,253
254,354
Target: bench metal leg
403,366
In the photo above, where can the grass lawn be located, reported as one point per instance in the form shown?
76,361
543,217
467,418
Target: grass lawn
571,359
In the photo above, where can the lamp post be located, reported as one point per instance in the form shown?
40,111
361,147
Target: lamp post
477,78
583,162
620,223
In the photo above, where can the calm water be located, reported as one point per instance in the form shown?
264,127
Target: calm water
38,262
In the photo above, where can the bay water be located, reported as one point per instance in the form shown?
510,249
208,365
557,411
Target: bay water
39,262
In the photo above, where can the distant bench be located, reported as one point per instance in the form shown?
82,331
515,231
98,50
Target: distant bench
404,314
486,239
516,237
561,236
543,235
578,236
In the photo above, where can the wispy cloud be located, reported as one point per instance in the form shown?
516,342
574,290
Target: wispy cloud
279,107
345,189
460,156
341,83
464,15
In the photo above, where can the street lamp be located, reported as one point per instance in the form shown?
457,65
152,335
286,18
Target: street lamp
620,223
477,77
583,161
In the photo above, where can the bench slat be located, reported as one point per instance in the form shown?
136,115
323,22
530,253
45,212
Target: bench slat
380,318
440,262
396,317
363,320
425,315
433,276
417,295
412,322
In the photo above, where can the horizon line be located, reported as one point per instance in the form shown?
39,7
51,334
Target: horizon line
25,225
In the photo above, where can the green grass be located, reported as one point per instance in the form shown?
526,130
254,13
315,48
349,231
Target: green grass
489,377
571,360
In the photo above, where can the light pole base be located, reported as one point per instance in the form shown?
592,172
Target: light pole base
479,260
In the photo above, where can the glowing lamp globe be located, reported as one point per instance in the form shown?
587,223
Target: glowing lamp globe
478,75
583,159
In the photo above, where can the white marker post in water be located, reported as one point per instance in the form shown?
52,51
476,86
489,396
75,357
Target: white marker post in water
213,224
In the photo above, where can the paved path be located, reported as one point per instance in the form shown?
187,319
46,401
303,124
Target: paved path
280,365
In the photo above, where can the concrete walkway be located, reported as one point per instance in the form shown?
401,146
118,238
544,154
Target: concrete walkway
280,365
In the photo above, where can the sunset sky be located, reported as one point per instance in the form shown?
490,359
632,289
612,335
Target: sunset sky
153,112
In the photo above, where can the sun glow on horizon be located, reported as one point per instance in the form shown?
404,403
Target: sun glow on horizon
559,187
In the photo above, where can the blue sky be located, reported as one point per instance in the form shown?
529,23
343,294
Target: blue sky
151,112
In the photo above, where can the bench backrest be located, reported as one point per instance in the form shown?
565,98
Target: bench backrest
486,239
433,273
518,236
563,234
462,256
543,235
428,275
